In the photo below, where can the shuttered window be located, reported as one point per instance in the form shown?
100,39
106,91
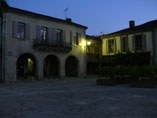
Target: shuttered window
44,33
21,30
111,46
59,34
77,38
124,44
139,42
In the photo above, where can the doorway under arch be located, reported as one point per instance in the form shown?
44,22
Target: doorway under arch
71,67
25,66
51,66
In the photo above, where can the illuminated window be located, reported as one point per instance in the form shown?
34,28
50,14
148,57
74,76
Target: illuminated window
20,30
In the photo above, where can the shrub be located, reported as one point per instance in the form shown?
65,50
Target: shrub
107,71
143,71
122,70
127,59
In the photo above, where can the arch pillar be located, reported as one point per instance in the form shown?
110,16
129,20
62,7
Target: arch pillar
40,74
62,69
10,69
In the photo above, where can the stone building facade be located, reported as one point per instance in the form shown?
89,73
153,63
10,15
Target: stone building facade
39,46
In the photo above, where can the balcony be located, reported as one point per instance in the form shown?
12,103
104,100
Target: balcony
49,46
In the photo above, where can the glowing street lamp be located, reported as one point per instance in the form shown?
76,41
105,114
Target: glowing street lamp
88,43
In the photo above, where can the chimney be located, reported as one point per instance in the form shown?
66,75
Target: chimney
69,20
132,23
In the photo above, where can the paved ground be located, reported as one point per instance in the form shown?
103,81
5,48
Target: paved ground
75,99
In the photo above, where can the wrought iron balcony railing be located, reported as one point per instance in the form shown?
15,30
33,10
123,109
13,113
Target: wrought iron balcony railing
49,45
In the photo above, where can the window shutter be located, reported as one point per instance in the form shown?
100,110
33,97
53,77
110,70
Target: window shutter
107,47
38,34
27,32
54,36
133,43
144,42
121,44
126,43
50,35
15,28
79,39
115,44
71,37
64,37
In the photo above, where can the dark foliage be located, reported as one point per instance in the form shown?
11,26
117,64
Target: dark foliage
127,59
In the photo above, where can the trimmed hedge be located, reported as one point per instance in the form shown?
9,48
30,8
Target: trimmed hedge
127,59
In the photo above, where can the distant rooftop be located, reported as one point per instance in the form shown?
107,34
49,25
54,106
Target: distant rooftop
143,27
89,37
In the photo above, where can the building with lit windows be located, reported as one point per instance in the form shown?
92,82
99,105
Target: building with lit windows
141,38
38,46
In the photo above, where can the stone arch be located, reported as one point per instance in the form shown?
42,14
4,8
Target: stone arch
26,66
51,66
71,67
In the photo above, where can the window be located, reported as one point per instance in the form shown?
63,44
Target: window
111,46
44,33
124,44
76,38
20,30
138,42
88,50
59,34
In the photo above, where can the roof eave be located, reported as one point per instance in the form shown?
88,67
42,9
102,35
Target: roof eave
24,12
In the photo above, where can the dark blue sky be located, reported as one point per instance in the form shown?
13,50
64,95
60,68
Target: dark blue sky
98,15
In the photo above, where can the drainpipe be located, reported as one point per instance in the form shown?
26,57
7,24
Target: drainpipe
1,43
3,34
154,44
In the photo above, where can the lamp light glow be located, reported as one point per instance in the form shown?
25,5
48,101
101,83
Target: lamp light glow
83,43
88,43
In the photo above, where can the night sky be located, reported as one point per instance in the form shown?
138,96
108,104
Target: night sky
100,16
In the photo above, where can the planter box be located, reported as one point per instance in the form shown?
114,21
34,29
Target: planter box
155,82
106,81
143,82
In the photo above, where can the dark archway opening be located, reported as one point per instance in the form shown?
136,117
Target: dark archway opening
71,67
25,67
51,66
